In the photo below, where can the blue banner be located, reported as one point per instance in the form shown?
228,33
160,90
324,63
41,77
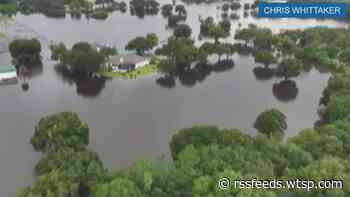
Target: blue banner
302,10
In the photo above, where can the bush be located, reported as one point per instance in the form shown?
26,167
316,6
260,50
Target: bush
100,14
271,122
62,130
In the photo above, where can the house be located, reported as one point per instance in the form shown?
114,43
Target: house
126,62
8,73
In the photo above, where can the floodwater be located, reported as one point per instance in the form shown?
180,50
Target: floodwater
134,119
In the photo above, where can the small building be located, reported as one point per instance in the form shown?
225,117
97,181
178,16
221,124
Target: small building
8,73
126,62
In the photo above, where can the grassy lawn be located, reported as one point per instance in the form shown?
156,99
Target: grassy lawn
137,73
8,8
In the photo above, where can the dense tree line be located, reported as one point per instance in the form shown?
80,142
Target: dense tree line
76,8
144,7
298,51
68,167
201,156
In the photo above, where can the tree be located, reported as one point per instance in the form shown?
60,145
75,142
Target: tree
167,10
8,7
167,67
152,40
337,108
82,46
56,183
246,34
264,57
337,84
288,68
235,5
182,30
263,38
285,44
139,44
121,187
108,51
84,62
62,130
210,29
181,10
173,20
84,166
26,51
82,59
144,7
225,7
180,51
142,44
58,51
197,136
226,26
271,122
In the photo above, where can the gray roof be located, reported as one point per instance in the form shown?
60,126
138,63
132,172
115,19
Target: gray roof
126,59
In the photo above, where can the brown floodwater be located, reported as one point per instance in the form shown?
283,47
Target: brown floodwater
134,119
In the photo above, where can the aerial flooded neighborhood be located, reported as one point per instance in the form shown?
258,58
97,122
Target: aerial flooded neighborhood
174,98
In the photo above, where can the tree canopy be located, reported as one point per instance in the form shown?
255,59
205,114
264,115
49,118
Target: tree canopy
202,155
214,30
180,51
83,58
60,130
183,30
26,51
167,10
289,67
144,7
142,44
271,122
67,168
264,57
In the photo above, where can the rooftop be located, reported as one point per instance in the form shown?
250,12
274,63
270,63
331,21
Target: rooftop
126,59
7,69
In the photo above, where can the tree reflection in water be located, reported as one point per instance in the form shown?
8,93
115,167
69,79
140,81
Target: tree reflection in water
26,73
167,81
263,73
86,86
25,87
196,74
285,91
243,49
90,87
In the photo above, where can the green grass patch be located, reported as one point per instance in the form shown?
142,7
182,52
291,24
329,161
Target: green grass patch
8,8
137,73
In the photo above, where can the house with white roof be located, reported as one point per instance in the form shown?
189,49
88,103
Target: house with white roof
126,62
